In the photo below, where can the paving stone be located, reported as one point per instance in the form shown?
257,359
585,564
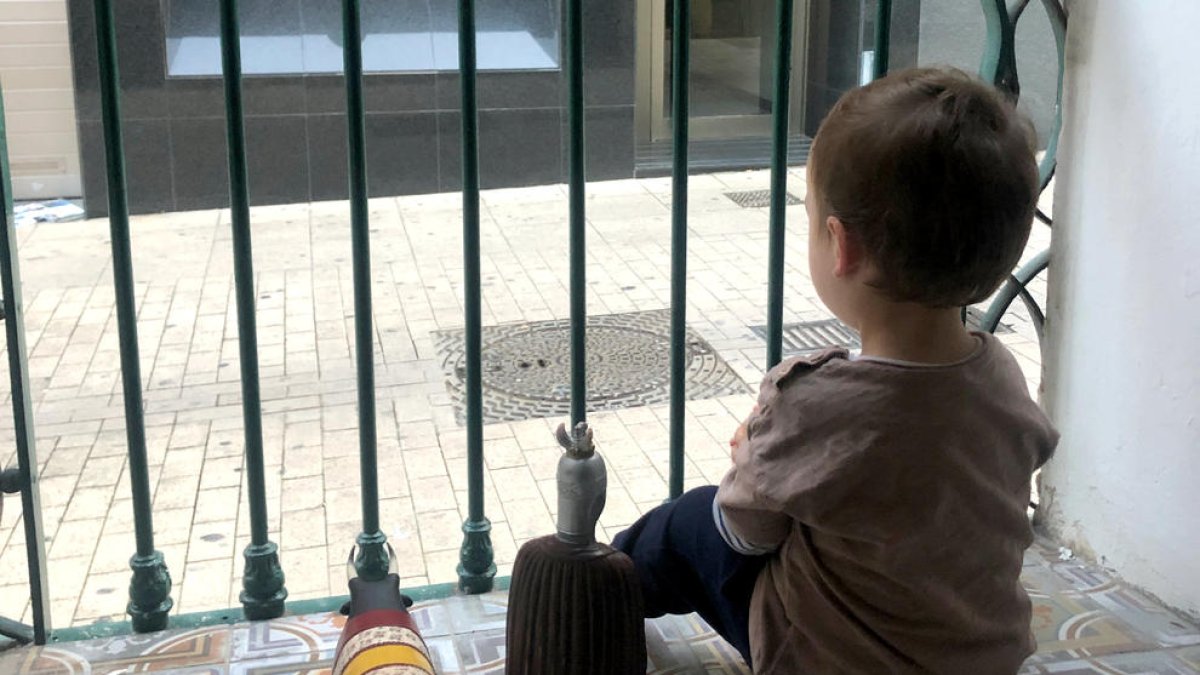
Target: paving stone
194,435
205,586
424,463
217,504
440,530
212,541
76,538
88,503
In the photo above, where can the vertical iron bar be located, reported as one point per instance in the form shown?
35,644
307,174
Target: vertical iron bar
372,560
681,36
1058,25
883,37
779,168
576,210
18,373
999,64
263,591
476,568
150,588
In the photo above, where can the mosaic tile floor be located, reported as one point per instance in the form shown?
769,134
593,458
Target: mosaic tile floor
1086,621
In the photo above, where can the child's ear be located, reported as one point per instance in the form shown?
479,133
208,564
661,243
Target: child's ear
846,249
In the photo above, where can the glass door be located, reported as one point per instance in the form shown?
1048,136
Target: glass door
732,67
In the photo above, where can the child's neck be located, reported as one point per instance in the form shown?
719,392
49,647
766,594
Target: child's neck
910,332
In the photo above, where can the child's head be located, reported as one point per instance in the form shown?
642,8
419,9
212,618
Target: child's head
922,189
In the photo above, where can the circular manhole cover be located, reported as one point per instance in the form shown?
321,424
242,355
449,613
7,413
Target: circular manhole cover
621,363
527,367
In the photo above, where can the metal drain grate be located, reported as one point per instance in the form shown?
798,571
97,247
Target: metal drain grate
811,336
527,366
757,199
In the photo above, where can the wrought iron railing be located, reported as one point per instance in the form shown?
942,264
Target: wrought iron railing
264,590
1000,68
18,372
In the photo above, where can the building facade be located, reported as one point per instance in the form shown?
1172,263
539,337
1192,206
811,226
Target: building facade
36,77
173,102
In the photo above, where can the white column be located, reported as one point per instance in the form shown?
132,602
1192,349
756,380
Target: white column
1123,342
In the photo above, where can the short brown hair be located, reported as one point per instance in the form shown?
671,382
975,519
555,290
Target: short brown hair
934,172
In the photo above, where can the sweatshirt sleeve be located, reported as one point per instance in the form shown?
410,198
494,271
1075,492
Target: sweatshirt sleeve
744,522
750,522
779,470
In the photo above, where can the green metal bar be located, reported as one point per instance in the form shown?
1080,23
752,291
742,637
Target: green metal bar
883,37
1058,24
22,407
19,632
263,591
476,567
576,209
681,38
150,589
999,64
777,233
228,616
372,559
1013,288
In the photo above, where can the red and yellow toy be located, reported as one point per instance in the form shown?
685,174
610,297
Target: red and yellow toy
380,636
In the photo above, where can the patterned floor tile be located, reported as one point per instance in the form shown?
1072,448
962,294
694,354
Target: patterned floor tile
481,651
313,634
1137,663
443,654
1086,622
200,650
294,664
1082,612
685,644
433,620
477,614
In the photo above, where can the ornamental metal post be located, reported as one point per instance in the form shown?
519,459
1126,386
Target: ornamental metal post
372,560
476,569
680,111
883,38
150,589
576,216
263,590
779,168
22,407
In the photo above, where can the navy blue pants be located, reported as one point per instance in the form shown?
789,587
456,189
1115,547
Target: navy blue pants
686,566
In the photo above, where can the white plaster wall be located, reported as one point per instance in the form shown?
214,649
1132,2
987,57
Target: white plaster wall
1123,350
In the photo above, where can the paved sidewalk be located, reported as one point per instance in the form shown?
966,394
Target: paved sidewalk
187,329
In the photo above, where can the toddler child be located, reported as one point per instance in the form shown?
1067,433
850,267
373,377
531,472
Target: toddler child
874,519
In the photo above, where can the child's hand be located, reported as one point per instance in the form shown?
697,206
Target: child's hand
742,434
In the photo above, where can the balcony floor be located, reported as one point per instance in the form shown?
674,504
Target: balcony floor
188,339
1086,621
